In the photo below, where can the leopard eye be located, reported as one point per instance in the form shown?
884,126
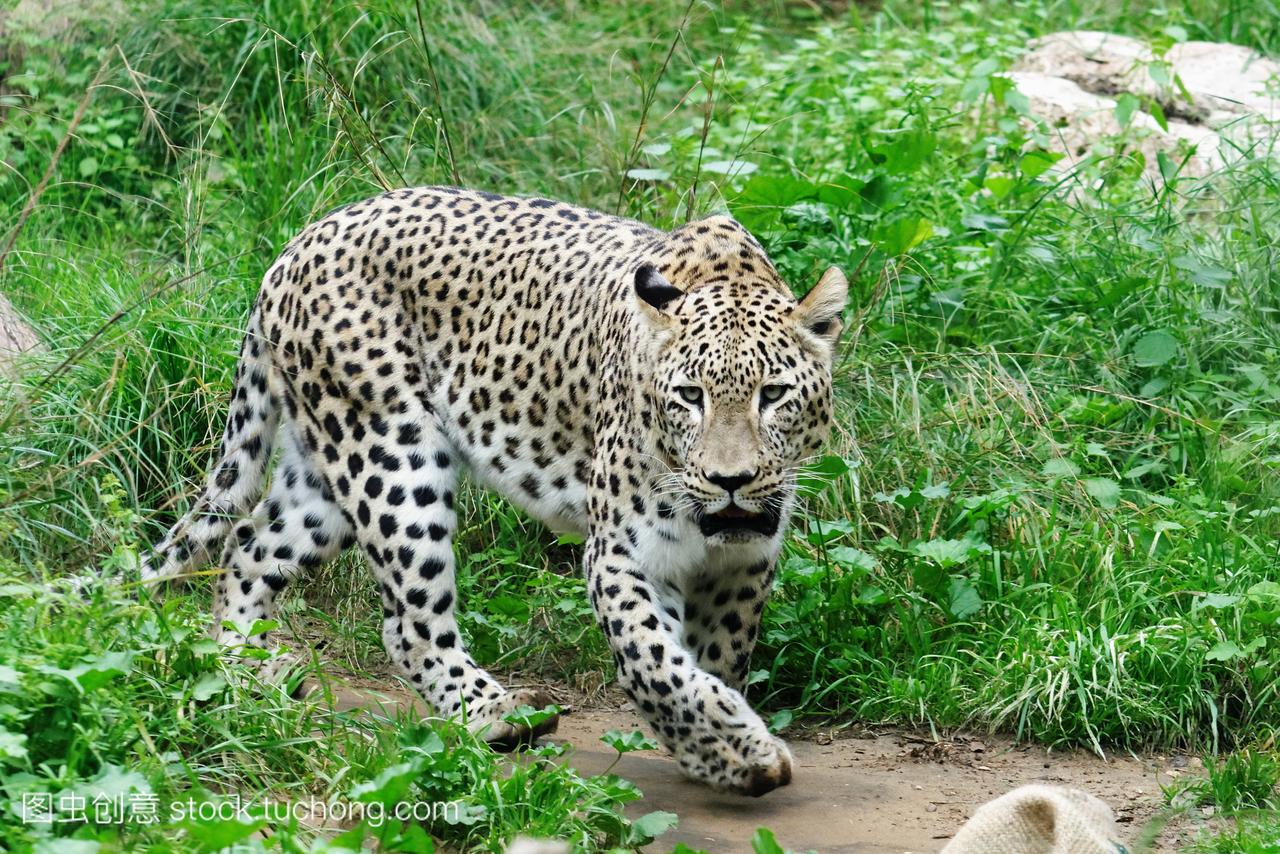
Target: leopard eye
772,394
690,394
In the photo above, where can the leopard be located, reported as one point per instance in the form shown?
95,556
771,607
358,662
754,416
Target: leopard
656,392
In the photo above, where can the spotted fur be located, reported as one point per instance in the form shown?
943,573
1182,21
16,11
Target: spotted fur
653,391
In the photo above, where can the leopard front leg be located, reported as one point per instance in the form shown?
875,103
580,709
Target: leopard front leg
706,724
721,618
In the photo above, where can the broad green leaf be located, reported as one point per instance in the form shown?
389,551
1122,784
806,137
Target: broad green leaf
1000,86
1154,387
1219,600
965,601
795,567
466,814
840,194
872,595
907,149
984,222
508,606
1059,467
261,627
1036,163
13,745
628,742
852,558
1143,469
1000,185
1126,105
775,191
780,720
817,476
929,577
205,646
100,670
353,840
1017,102
650,826
902,234
949,553
64,845
985,67
935,491
1223,650
911,497
763,198
426,742
208,686
648,174
734,168
1160,73
389,786
764,842
1157,113
1103,490
1264,591
1155,349
825,530
1208,275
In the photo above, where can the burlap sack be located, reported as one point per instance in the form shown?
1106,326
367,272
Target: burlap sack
1040,820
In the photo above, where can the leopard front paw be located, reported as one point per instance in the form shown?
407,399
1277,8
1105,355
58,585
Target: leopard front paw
752,765
769,769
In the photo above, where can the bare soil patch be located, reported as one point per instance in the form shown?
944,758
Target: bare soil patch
876,790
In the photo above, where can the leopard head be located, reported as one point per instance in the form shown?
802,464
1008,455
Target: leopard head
737,375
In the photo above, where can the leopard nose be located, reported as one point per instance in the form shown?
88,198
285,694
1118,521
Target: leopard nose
730,482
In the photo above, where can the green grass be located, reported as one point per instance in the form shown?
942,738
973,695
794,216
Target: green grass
1243,790
1051,505
123,703
1059,515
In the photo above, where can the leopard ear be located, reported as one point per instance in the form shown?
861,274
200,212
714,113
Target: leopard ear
653,289
819,311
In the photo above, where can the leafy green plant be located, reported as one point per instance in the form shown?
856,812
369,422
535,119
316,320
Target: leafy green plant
1238,782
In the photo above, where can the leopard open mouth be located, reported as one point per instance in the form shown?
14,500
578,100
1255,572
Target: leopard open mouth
738,520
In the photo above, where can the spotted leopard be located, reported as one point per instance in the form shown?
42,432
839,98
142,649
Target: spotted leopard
653,391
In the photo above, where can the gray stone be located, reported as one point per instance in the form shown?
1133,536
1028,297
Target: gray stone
1209,93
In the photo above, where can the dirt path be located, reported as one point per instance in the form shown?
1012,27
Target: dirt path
875,792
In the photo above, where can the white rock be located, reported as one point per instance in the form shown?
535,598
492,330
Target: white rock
1078,120
1228,80
1223,80
1095,60
1072,79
